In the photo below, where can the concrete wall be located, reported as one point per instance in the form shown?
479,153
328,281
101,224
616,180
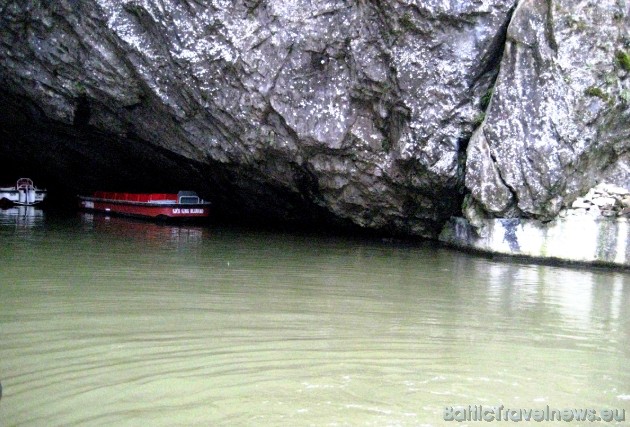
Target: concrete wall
576,239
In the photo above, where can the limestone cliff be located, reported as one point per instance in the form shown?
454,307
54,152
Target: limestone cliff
558,120
359,110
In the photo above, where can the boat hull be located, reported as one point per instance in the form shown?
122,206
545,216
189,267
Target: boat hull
22,197
145,209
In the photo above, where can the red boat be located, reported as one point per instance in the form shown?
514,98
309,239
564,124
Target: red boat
185,204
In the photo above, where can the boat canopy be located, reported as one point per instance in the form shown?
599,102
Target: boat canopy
188,197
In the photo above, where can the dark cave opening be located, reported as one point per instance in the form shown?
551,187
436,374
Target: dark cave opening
82,112
73,159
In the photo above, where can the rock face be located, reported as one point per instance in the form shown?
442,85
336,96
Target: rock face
361,109
356,110
558,120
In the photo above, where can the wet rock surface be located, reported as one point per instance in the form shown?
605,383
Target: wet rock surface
352,112
557,121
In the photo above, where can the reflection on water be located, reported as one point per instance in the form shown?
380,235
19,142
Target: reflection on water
150,233
21,216
107,321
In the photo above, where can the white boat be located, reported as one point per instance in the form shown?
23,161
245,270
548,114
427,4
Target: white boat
24,193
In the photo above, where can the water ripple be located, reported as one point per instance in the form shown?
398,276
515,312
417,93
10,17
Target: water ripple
161,325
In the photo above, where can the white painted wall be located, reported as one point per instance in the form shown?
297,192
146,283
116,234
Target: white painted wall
576,238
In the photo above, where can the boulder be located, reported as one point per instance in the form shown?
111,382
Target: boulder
581,202
604,202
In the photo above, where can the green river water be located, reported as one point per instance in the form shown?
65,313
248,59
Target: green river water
116,322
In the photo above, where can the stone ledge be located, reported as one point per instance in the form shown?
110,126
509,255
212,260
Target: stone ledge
598,241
